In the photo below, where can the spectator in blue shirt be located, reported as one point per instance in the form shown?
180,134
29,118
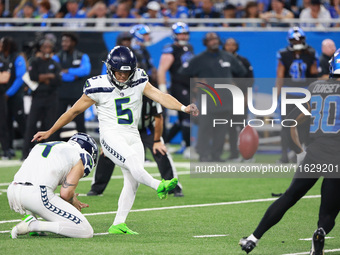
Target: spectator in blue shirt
74,13
75,67
15,91
175,11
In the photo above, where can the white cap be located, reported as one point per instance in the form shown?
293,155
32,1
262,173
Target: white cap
153,5
168,1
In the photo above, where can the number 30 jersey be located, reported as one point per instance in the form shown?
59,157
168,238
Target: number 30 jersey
117,109
325,121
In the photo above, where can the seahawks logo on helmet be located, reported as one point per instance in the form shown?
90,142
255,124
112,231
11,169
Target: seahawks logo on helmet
120,59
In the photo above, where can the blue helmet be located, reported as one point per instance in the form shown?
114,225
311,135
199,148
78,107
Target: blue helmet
334,64
120,59
138,32
296,38
87,143
180,28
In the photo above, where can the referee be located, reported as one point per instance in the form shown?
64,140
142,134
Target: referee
150,127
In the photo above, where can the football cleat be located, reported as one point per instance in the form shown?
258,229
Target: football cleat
121,229
22,227
318,242
165,186
247,245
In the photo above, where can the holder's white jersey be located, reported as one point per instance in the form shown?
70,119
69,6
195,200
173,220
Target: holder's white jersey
117,109
48,164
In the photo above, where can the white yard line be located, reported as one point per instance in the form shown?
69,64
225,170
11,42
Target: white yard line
302,253
184,206
310,239
204,236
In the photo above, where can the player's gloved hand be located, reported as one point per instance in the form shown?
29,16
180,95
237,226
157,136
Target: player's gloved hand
300,157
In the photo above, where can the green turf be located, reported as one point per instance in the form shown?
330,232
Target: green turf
171,231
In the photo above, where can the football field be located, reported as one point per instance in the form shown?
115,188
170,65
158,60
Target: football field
210,219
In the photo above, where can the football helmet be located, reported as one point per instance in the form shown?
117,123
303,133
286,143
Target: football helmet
180,28
334,64
87,143
296,38
120,59
138,32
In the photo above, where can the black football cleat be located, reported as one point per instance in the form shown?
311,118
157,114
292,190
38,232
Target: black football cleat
247,245
318,242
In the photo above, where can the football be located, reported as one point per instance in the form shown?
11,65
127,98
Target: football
248,142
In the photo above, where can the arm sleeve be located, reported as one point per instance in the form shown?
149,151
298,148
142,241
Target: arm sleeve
84,68
237,68
20,69
34,76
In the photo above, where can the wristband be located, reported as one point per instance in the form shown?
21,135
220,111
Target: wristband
162,87
157,141
183,108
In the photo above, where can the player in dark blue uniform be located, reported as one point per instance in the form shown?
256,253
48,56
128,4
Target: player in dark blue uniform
296,63
175,56
322,159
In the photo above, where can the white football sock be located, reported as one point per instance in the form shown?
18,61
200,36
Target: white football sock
69,229
253,238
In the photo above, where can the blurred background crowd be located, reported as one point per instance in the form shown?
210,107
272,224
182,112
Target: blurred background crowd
271,12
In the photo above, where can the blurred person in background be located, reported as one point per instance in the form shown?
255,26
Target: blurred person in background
214,63
316,11
75,68
207,11
5,74
123,11
296,63
232,46
154,12
46,72
15,89
173,57
73,12
251,11
278,14
328,48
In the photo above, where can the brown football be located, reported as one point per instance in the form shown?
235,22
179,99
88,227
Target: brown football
248,142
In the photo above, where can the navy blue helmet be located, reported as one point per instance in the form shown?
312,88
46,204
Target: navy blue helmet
334,64
120,59
180,28
87,143
296,38
138,32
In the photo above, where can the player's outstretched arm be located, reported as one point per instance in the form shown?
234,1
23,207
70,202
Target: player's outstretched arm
80,106
168,101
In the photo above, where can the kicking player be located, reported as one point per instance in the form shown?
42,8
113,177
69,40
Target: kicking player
32,191
323,150
118,98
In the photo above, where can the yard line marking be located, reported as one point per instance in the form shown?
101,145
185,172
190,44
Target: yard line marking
203,236
6,231
7,163
101,234
186,206
310,239
302,253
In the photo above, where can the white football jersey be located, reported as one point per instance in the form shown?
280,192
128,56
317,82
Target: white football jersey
48,164
117,109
